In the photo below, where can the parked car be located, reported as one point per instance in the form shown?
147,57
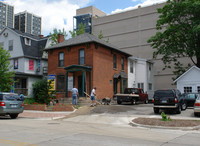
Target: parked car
10,104
197,107
132,95
188,99
167,100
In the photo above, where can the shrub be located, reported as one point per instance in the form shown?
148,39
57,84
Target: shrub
42,91
164,117
29,101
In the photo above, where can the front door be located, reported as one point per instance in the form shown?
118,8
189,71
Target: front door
80,85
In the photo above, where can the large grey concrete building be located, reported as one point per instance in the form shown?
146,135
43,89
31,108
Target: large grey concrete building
6,15
130,31
28,23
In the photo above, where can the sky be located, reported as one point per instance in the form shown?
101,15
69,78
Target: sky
59,13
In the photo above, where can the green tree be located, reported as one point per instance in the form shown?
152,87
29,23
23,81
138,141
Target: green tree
42,91
80,30
178,34
5,75
54,35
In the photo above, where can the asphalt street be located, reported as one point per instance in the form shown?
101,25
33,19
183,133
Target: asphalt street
107,125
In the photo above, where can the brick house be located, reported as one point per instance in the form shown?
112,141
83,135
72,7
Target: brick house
86,62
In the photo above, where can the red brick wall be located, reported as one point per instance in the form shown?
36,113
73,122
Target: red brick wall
103,71
101,60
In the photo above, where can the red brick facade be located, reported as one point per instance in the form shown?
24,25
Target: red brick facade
97,56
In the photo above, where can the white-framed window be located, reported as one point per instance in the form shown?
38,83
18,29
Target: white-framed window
150,86
198,89
131,66
27,41
141,85
187,89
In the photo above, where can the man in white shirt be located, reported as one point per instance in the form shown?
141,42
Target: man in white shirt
74,95
93,94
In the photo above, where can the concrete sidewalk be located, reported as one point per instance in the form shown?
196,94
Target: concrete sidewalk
44,114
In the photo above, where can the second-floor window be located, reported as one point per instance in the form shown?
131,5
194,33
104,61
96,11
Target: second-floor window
1,44
61,59
81,56
122,63
10,45
114,61
131,66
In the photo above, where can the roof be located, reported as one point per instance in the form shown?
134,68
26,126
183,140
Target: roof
85,38
37,43
193,67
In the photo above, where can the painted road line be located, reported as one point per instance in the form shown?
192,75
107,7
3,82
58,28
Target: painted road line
15,143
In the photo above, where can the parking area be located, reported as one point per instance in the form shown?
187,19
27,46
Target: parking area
138,109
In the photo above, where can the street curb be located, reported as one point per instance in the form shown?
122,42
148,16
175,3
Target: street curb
131,123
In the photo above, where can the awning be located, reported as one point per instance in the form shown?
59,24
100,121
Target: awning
122,74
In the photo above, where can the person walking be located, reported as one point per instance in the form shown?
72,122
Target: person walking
21,96
92,96
74,95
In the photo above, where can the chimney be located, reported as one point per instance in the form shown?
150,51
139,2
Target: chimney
41,36
60,38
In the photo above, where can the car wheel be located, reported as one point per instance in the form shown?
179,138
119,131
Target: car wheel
183,106
146,101
119,102
13,116
178,110
196,114
133,102
156,110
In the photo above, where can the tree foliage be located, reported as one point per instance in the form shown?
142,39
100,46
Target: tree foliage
178,34
5,75
42,91
80,30
54,35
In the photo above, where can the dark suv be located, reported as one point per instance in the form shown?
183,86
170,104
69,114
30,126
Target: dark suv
167,100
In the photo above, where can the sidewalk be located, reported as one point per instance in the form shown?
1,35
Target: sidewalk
43,114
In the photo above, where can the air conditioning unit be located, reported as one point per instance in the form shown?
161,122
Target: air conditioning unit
5,34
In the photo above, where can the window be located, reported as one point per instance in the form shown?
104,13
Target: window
198,89
10,45
122,63
115,61
131,66
150,86
1,44
187,89
61,59
81,56
150,67
15,63
60,83
27,41
141,85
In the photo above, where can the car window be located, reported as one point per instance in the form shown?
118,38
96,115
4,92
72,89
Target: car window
190,96
10,97
164,93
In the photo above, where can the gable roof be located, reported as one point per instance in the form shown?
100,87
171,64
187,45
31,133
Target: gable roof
85,38
193,67
37,43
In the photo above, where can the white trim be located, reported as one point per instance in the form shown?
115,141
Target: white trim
187,72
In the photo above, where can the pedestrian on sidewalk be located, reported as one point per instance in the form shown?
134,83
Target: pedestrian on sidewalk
92,96
21,96
74,95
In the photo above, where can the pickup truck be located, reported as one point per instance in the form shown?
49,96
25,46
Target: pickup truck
132,95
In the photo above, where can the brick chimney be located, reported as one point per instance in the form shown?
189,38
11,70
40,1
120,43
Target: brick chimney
60,38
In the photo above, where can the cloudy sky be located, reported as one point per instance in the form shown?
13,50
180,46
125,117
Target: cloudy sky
59,13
